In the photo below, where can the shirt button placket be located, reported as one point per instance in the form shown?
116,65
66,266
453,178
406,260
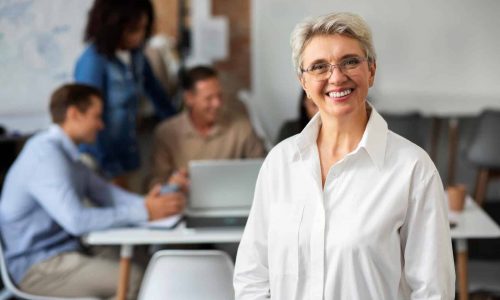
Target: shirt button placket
318,253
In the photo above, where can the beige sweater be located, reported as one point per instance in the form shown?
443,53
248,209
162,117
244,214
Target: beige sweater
176,142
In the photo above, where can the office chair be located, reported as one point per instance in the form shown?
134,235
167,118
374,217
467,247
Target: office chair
11,290
188,275
483,276
408,126
484,152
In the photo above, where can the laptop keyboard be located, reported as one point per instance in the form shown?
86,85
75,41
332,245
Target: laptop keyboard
203,222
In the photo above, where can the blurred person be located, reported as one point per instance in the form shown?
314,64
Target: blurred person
42,215
202,131
115,63
346,209
161,53
307,110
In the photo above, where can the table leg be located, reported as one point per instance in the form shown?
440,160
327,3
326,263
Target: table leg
452,149
462,269
126,252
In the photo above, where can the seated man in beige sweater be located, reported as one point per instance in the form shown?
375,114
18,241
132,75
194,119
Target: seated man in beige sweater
202,131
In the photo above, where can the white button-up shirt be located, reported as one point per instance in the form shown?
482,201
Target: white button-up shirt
377,230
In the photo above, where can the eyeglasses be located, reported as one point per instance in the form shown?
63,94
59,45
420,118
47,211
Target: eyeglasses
323,71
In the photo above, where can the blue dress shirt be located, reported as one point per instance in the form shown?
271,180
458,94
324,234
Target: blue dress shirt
116,148
41,209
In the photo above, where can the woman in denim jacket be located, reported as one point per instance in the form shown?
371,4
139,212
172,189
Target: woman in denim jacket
115,63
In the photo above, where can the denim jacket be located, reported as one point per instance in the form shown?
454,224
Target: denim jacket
116,148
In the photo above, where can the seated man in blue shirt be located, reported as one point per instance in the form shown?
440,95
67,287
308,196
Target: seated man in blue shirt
42,214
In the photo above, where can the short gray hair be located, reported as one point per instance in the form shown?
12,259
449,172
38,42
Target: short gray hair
342,23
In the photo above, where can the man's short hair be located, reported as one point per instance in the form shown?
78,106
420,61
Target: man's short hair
78,95
195,74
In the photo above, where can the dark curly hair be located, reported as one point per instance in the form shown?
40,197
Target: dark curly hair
108,19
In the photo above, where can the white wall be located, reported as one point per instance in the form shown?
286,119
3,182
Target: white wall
442,48
39,44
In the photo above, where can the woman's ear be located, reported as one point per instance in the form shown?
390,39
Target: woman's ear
372,67
303,83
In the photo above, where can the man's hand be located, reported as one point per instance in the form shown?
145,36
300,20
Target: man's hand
180,178
161,206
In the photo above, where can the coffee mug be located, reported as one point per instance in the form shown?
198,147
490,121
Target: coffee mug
456,197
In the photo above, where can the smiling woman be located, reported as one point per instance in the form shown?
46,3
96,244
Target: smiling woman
346,209
340,89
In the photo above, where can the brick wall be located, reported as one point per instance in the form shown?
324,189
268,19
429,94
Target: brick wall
235,70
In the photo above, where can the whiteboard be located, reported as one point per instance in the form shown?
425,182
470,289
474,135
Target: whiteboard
442,48
40,41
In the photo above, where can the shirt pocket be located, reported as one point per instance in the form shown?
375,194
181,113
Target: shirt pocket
283,245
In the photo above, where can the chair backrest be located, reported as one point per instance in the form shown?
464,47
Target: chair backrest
188,275
484,150
408,126
5,274
15,291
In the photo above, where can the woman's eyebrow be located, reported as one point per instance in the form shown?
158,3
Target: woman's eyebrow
324,60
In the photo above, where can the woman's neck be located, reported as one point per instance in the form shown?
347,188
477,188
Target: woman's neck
338,137
342,134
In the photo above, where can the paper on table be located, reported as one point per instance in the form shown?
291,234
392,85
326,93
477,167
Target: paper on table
165,223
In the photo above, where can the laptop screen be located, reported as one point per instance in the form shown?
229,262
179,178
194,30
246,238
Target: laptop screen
222,187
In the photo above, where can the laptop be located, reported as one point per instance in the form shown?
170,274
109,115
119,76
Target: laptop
221,192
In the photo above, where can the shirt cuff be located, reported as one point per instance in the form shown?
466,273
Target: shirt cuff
137,212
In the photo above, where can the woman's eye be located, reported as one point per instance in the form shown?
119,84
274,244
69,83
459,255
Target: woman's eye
319,67
351,62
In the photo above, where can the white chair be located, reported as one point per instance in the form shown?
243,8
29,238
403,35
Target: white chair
188,275
484,152
11,290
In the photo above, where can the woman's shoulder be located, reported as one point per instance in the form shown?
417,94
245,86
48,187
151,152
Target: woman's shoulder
289,128
402,153
91,54
403,146
285,151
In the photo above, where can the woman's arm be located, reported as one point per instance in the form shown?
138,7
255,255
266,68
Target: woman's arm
161,101
426,243
251,274
90,69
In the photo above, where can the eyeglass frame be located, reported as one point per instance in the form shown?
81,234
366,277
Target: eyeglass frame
338,66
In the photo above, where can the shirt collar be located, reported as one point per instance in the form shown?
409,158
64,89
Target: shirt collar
373,141
67,144
189,130
374,138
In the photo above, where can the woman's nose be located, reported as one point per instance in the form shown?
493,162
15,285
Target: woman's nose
336,76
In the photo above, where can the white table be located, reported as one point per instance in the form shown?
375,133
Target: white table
472,223
437,106
127,238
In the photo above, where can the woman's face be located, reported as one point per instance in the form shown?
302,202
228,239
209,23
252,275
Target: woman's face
344,92
134,34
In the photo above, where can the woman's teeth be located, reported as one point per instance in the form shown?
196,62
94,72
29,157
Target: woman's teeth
339,94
